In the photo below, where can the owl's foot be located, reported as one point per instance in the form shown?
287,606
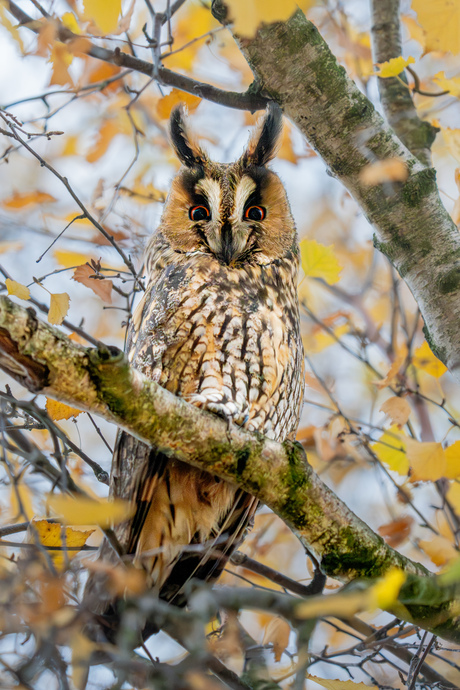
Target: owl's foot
220,405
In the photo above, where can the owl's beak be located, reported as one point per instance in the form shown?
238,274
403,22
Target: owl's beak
228,250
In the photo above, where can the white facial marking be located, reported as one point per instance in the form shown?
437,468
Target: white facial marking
211,189
245,188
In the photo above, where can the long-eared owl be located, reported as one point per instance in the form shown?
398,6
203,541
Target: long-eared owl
218,325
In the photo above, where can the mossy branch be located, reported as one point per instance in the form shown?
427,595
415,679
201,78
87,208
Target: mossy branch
294,66
100,381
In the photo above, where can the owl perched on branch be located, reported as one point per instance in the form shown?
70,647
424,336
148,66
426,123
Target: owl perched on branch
218,326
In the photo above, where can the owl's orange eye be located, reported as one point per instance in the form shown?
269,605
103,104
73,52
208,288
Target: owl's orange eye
199,213
255,213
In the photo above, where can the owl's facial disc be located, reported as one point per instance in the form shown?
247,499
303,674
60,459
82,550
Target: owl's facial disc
228,226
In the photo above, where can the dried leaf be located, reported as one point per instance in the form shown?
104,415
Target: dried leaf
319,261
102,287
397,531
84,511
398,409
388,170
82,648
392,372
17,289
58,410
277,633
59,306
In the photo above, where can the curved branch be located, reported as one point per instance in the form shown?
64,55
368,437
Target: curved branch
396,98
296,68
44,360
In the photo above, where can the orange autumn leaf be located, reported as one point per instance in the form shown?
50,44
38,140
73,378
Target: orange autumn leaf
105,135
397,531
277,634
101,286
103,72
18,200
388,170
392,372
167,103
61,59
398,410
58,410
439,549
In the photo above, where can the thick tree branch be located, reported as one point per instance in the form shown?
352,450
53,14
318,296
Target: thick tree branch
296,68
396,98
230,99
44,360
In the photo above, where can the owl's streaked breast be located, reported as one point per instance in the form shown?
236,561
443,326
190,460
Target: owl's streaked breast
226,339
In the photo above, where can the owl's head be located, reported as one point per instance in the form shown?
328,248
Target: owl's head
239,211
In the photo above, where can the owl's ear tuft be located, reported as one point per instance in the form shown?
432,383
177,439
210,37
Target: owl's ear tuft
187,150
263,144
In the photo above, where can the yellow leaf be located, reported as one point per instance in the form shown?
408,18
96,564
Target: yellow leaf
424,359
318,261
427,461
388,170
398,409
84,511
247,16
167,103
69,21
105,14
70,259
18,201
17,289
318,341
334,684
59,306
61,59
194,20
58,410
452,139
277,633
390,449
441,23
452,455
415,30
439,549
393,67
452,84
20,495
385,592
50,534
109,129
453,496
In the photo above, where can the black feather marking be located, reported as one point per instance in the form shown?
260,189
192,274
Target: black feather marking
187,151
262,149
